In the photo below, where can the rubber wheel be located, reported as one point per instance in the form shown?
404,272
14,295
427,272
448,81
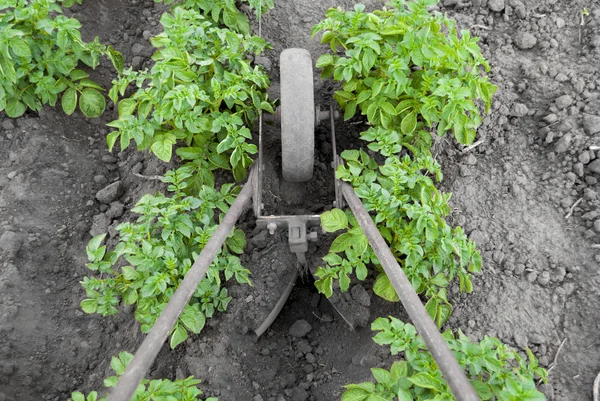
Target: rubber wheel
297,115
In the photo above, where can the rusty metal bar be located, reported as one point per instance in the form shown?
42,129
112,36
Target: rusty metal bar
453,373
147,352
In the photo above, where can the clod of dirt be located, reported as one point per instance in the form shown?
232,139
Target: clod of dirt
594,166
496,5
525,40
116,210
591,123
10,243
7,124
300,328
100,224
519,110
563,101
563,144
110,193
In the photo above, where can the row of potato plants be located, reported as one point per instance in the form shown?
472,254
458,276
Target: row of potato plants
197,101
412,75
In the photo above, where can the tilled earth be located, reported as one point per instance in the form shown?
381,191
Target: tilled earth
527,194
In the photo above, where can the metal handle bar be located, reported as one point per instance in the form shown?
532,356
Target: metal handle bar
459,384
153,342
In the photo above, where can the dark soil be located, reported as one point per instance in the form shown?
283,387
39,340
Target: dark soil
528,195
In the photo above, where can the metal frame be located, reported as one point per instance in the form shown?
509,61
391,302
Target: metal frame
147,352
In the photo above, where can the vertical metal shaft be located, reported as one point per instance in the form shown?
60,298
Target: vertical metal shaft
147,352
453,373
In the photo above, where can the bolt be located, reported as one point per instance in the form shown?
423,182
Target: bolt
272,227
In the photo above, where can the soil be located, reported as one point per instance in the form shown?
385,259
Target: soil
527,194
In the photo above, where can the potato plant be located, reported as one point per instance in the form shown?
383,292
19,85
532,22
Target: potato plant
412,75
405,67
153,255
178,390
40,50
201,93
496,371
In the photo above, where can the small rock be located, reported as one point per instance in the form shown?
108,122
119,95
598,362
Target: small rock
136,62
138,49
264,61
578,169
584,157
591,123
550,118
532,276
11,175
594,166
560,23
496,5
10,243
560,77
260,240
299,394
116,210
518,110
257,397
519,269
110,193
597,225
100,224
543,279
7,124
524,40
564,101
300,328
100,179
471,160
521,341
109,159
563,144
479,237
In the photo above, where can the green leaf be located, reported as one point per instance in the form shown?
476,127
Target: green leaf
69,101
89,305
77,396
92,103
130,273
404,395
383,287
20,47
358,392
192,319
425,380
409,123
483,390
350,110
111,139
334,220
342,242
76,75
15,109
127,107
382,376
117,365
178,336
324,60
162,146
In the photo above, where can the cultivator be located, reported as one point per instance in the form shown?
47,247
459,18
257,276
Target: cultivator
297,117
